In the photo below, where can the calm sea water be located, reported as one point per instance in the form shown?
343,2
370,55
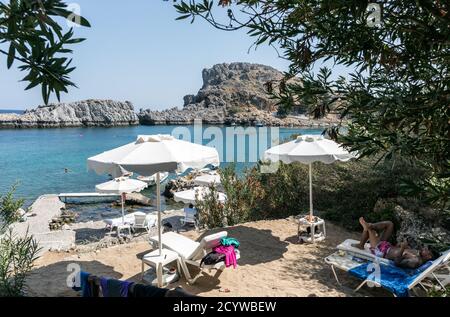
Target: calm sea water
37,158
11,111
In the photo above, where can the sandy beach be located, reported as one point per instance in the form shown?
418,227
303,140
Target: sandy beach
272,263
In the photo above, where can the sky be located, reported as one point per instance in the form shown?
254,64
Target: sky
138,52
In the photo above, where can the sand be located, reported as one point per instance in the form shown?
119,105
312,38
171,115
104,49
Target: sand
272,263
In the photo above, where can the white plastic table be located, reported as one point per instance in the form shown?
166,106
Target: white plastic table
303,221
157,261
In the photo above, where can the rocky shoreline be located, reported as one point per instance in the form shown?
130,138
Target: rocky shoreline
87,113
232,94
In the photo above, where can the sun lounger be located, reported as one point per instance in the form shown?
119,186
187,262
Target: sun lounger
396,280
349,247
191,252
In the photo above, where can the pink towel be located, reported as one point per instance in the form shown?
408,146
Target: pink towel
230,255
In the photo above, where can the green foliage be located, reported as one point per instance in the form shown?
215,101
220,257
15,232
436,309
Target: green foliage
396,94
33,37
241,200
242,193
234,110
17,254
8,208
211,213
439,292
343,192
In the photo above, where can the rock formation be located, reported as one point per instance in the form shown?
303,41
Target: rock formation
104,113
418,224
231,94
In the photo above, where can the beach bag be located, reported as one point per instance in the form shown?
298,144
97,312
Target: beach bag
212,258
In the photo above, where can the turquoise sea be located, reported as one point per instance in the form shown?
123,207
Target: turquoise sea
11,111
37,158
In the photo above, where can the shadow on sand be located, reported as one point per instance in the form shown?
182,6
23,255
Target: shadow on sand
309,265
54,277
257,245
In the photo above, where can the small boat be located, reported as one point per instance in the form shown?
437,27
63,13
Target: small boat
151,180
259,124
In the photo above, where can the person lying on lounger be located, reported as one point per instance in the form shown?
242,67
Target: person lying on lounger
402,255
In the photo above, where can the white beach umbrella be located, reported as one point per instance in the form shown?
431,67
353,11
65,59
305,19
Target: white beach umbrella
308,149
188,196
207,179
151,154
121,185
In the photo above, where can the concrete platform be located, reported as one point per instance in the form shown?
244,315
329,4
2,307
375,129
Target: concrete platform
46,208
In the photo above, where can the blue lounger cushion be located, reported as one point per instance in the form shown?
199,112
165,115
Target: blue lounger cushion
394,279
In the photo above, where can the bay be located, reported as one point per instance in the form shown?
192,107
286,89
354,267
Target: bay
52,161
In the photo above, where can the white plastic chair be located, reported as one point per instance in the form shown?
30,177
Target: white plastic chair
143,221
189,217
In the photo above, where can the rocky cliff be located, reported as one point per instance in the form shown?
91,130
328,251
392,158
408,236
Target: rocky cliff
231,94
104,113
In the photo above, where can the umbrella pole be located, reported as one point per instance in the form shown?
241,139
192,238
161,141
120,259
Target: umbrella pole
311,219
310,193
158,203
123,208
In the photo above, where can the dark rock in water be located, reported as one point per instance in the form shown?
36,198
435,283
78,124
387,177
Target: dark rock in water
180,184
61,222
87,113
232,94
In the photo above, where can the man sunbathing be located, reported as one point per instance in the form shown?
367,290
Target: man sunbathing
402,255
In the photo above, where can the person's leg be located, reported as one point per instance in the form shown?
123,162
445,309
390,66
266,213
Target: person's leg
387,227
373,237
363,240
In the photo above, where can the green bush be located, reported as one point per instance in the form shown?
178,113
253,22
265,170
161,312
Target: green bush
241,201
8,208
342,192
210,211
17,254
439,292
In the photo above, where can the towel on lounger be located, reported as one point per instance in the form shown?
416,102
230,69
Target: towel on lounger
393,278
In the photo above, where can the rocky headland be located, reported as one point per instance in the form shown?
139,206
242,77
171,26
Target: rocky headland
232,94
87,113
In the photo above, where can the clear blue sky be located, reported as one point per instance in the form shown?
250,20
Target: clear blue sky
138,52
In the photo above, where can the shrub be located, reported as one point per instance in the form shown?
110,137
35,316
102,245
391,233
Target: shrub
242,196
8,208
211,213
234,110
439,292
343,192
17,254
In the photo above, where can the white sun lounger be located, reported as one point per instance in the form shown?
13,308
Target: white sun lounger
191,252
348,246
347,261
